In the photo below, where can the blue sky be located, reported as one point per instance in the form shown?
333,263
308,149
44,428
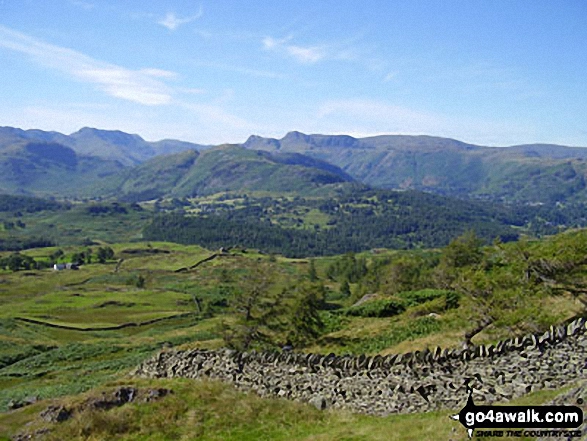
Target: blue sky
487,72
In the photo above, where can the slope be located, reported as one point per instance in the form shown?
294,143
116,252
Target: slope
226,168
526,173
113,145
45,168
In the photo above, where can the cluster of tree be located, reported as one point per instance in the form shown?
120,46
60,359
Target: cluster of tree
11,225
506,284
17,261
101,255
23,243
217,231
347,268
262,316
360,220
351,231
19,204
106,209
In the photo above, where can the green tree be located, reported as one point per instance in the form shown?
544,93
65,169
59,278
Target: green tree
405,273
464,251
305,323
312,273
54,257
17,262
255,311
104,253
345,288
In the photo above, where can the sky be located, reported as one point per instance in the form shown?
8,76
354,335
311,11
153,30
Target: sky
496,73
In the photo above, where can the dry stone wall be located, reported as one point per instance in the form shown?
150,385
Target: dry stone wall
400,383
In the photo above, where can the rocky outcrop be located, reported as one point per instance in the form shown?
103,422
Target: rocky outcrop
58,413
399,383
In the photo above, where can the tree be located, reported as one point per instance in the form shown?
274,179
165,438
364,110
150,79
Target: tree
255,309
503,294
305,324
464,251
312,274
54,257
78,258
17,261
104,253
345,288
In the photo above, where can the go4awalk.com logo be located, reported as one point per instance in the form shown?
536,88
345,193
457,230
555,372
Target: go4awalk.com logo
518,421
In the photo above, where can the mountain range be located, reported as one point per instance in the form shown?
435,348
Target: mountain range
529,173
100,163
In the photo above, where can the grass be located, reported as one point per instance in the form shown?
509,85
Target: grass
60,364
196,410
72,227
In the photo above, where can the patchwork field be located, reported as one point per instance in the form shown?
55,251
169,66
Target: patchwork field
71,332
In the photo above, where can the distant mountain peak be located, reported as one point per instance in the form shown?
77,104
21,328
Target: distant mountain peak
296,136
110,135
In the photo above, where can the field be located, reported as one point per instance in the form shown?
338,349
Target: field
63,333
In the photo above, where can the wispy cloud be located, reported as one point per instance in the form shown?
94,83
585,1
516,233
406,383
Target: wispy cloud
302,54
366,117
257,73
389,77
83,4
378,116
172,21
145,86
345,51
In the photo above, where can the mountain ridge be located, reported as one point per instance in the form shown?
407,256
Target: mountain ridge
128,149
523,173
527,173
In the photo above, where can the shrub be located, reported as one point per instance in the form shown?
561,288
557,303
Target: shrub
413,298
377,308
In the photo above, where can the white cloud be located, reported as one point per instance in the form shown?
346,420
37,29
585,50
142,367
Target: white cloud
201,123
172,21
257,73
306,54
347,50
159,73
270,43
302,54
144,86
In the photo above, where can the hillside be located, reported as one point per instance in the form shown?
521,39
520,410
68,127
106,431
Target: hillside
526,173
51,169
66,333
32,163
47,168
226,168
112,145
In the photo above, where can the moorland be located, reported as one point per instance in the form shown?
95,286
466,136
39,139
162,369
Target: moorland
296,240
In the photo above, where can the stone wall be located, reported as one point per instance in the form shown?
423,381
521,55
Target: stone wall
400,383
